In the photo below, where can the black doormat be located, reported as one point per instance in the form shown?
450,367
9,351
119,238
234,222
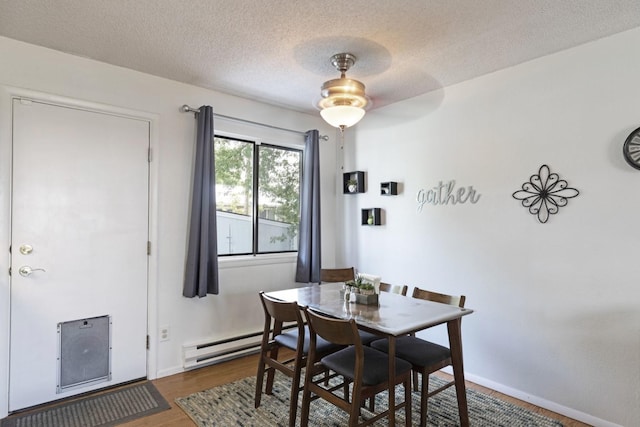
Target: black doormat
104,410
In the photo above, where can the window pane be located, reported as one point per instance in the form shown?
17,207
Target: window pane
234,195
278,198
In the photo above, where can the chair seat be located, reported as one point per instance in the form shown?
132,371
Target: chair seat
416,351
375,368
290,340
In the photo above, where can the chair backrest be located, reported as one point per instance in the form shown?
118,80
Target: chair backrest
394,289
438,297
337,331
337,274
280,311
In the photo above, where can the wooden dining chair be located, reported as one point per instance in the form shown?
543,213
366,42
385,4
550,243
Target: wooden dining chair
337,274
366,368
394,289
276,313
425,357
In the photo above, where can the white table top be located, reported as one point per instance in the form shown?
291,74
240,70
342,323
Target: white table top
395,315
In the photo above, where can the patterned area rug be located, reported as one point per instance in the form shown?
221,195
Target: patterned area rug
104,410
232,405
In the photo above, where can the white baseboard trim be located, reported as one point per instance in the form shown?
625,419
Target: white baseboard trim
538,401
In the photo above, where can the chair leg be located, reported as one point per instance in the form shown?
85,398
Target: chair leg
407,401
424,395
271,372
345,389
295,392
372,404
306,401
259,381
354,413
415,381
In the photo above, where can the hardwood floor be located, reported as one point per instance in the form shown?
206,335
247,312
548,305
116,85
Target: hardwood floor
201,379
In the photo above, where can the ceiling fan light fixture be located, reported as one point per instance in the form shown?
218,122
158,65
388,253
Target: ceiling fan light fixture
343,100
342,116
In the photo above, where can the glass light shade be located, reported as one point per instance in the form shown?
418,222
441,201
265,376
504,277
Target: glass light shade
342,116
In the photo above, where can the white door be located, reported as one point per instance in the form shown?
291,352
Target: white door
80,222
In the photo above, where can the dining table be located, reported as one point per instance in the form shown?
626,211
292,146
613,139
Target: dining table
392,316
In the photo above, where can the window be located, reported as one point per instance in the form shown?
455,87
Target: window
257,196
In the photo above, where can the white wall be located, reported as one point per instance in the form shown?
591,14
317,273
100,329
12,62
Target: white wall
557,305
236,310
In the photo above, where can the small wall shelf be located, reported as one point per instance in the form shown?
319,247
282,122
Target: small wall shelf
389,188
371,216
358,177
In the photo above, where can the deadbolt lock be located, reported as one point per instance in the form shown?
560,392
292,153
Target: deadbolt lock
26,249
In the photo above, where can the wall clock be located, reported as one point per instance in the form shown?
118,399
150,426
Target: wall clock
631,149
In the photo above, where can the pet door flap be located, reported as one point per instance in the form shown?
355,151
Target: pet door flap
84,352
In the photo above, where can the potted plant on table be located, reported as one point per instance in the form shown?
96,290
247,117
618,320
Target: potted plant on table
367,288
355,284
361,290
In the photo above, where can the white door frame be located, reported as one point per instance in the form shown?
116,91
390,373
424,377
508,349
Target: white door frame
7,94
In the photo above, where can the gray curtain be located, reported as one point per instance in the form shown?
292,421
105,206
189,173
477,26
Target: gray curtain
201,272
308,267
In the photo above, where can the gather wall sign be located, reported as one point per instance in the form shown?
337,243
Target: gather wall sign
446,193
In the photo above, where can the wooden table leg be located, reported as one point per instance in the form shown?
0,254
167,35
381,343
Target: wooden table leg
392,380
455,344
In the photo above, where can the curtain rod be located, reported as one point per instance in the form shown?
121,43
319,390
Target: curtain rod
186,109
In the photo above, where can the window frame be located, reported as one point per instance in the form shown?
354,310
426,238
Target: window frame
271,257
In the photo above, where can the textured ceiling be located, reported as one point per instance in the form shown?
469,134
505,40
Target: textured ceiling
278,51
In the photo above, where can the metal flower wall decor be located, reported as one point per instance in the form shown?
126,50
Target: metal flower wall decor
545,194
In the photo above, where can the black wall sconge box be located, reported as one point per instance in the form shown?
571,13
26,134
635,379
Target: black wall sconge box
389,188
371,216
353,182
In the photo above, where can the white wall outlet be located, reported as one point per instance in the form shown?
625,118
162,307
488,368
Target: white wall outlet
164,333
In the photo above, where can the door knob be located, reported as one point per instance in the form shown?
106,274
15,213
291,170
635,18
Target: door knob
26,271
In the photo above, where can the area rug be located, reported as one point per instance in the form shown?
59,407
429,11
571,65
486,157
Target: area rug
104,410
232,405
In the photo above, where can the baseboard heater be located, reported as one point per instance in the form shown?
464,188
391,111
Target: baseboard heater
205,353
